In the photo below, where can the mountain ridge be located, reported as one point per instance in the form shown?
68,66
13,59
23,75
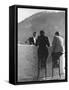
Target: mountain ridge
49,22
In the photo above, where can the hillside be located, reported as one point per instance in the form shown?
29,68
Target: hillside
49,22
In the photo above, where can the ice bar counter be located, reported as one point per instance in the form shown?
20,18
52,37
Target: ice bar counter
28,63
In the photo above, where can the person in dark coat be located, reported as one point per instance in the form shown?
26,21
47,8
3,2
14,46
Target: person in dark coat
43,43
32,40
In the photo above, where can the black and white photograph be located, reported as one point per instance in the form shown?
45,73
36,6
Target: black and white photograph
41,44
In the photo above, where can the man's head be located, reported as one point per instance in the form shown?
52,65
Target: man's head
57,33
42,33
34,34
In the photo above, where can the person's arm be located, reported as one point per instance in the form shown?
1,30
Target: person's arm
48,44
37,41
54,44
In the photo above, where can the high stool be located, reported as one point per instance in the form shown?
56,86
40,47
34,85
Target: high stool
56,64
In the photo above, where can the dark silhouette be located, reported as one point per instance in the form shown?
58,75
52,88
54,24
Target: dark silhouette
32,40
43,43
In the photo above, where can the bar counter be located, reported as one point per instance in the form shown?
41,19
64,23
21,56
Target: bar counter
28,63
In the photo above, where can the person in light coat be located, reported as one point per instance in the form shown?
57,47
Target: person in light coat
58,52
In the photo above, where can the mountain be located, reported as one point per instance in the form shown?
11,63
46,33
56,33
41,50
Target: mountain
50,22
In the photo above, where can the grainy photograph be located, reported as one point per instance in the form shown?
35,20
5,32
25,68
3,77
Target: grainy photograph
41,44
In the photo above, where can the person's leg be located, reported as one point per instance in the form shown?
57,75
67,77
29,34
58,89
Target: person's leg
39,65
45,71
45,62
53,62
59,55
46,56
57,59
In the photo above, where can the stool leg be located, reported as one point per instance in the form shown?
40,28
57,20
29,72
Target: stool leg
45,71
59,68
52,69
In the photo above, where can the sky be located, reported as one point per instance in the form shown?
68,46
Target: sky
24,13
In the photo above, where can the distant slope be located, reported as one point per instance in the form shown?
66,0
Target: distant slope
49,22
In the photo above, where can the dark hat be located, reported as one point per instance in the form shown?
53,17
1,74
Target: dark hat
42,32
57,33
